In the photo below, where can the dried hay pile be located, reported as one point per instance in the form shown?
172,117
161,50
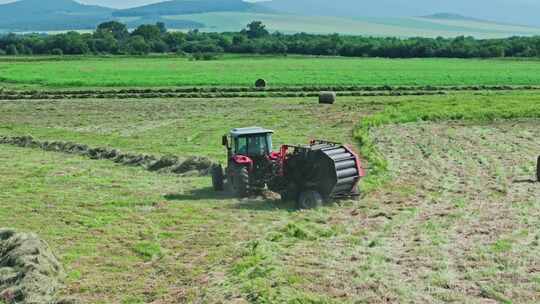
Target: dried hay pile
29,271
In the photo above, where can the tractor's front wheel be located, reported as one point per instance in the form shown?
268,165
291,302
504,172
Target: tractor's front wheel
240,181
217,178
310,200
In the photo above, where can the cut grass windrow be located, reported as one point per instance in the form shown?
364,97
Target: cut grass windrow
172,164
209,95
277,89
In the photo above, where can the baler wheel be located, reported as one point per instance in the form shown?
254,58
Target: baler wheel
217,178
310,200
240,181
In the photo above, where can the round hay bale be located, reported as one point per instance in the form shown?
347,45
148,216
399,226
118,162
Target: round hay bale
327,97
260,83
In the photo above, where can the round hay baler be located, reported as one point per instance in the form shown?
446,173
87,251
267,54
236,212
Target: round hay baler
308,174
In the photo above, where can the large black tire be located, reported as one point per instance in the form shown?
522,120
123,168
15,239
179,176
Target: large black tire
538,170
310,200
240,181
289,194
217,178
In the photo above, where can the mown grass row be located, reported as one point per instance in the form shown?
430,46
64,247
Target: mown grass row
281,89
212,95
473,108
167,163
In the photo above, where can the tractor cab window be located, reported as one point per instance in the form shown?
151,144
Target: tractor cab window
252,145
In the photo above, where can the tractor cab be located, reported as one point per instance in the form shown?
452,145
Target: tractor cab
252,142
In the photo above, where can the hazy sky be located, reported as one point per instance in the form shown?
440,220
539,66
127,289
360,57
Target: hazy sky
119,3
114,3
109,3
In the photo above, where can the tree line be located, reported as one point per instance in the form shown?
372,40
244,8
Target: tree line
115,38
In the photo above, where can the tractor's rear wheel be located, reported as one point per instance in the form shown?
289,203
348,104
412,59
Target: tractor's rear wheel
240,181
310,200
289,194
218,178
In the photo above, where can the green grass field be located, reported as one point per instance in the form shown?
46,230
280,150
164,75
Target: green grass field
278,71
449,216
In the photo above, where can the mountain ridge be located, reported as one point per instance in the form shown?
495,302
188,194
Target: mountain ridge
233,15
452,16
50,15
500,11
184,7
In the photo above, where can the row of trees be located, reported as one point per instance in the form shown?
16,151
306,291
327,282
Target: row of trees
114,38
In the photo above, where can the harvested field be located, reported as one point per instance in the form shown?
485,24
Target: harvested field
178,126
457,223
462,213
455,217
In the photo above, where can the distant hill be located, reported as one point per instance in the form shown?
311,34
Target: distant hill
28,15
351,17
59,15
506,11
183,7
367,26
450,16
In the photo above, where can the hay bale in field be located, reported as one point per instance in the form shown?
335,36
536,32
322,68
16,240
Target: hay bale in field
29,272
327,97
260,83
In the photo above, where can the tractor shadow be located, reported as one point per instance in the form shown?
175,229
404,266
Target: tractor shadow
207,193
261,202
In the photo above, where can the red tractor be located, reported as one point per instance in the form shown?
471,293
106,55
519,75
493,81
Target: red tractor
308,174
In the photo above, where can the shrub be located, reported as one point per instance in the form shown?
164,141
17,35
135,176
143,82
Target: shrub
204,56
57,52
12,50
